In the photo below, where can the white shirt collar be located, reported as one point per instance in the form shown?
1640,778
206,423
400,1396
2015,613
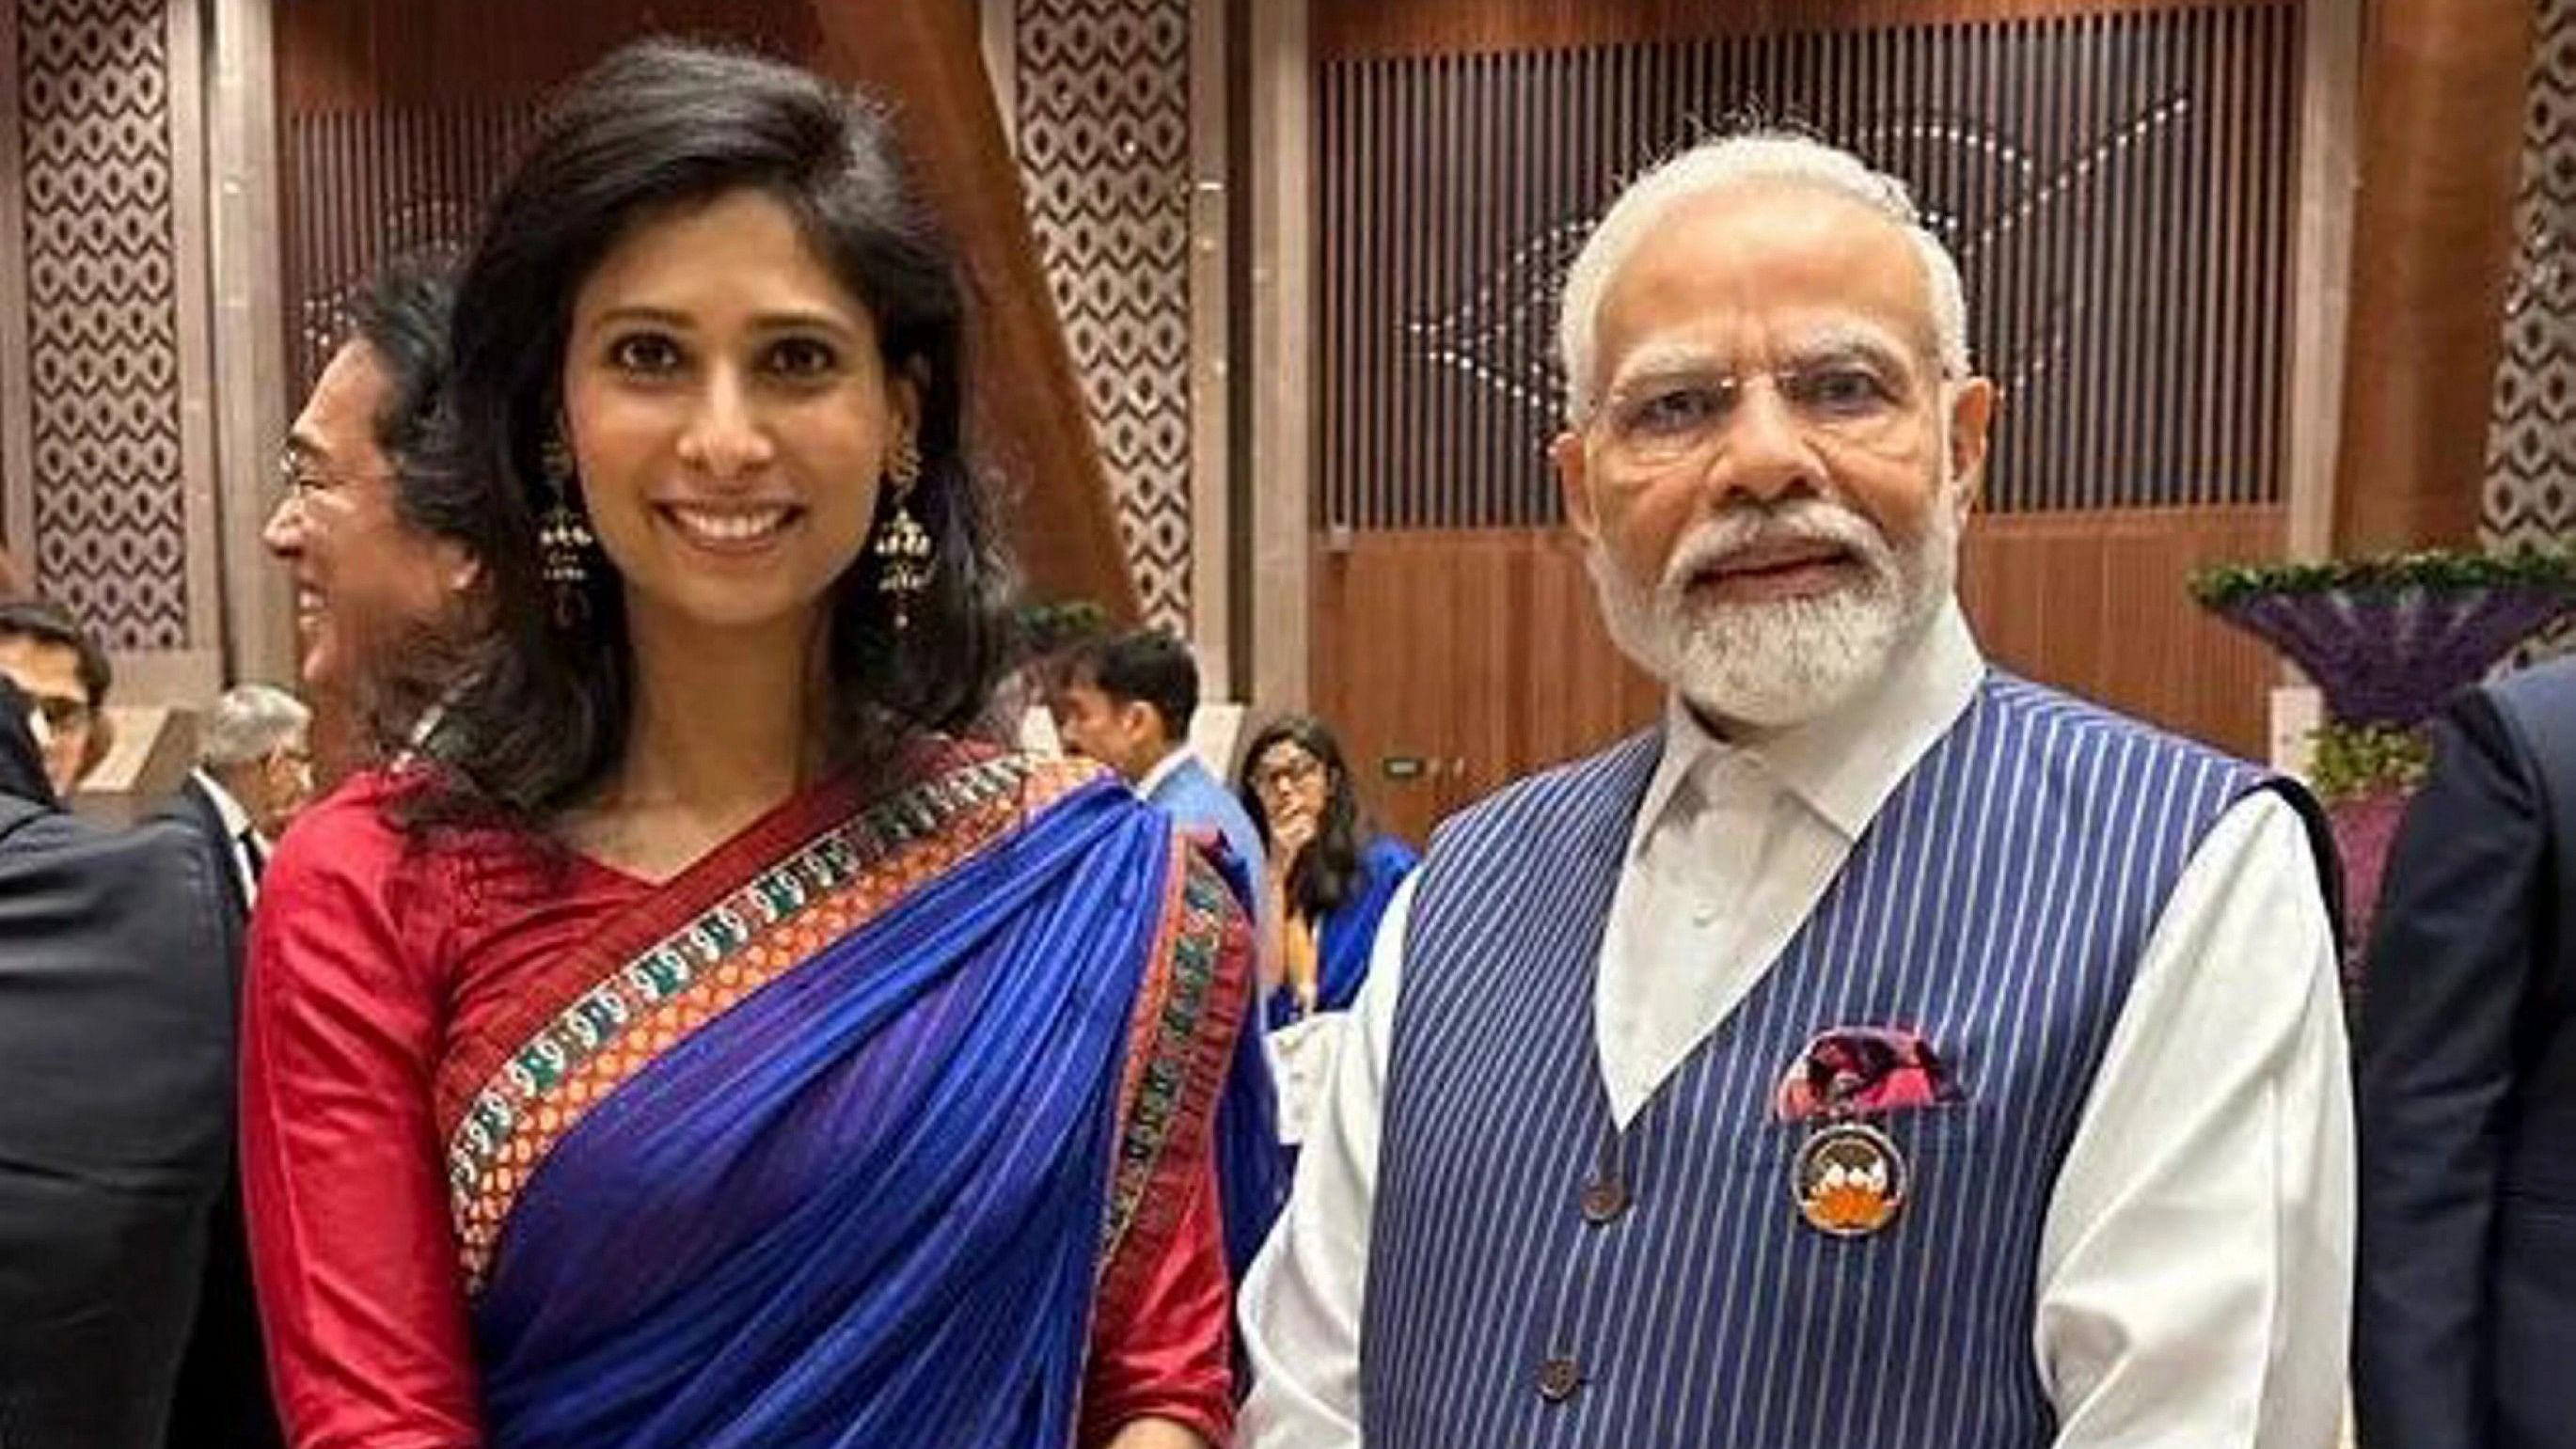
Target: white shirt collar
1844,763
1163,770
229,810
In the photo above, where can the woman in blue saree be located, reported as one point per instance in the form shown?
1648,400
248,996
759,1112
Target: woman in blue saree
1330,874
700,1042
1329,879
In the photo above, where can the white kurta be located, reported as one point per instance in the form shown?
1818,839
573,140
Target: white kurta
2195,1269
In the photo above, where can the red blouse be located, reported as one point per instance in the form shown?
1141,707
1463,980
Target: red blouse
374,964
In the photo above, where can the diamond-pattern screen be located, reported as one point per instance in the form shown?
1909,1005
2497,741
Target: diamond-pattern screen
1103,120
2530,486
100,253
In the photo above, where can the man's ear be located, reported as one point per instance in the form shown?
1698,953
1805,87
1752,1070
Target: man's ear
1140,721
1972,415
1574,483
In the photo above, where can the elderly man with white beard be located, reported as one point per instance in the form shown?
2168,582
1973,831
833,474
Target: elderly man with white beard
1884,1050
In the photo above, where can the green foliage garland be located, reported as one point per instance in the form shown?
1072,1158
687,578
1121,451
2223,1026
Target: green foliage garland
2432,569
2353,761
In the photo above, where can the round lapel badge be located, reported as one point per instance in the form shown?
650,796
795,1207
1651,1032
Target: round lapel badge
1848,1180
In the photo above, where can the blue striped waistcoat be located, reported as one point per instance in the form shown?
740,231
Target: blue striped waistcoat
1537,1278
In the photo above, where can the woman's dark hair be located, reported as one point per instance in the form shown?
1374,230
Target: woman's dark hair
1329,872
541,711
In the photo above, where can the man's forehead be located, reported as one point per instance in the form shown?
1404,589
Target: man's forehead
39,666
340,413
1765,250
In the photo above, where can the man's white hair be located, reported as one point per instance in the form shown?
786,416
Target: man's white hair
1711,166
250,722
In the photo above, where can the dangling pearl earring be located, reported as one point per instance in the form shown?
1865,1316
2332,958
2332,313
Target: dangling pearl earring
564,539
902,546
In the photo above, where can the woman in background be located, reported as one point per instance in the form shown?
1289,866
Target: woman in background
701,1044
1329,875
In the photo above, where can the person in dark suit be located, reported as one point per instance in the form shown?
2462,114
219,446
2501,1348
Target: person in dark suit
116,1025
2467,1292
254,771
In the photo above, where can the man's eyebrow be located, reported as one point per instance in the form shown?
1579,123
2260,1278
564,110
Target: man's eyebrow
1666,359
1846,340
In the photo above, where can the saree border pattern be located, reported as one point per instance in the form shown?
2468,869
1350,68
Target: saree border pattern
1171,1084
757,933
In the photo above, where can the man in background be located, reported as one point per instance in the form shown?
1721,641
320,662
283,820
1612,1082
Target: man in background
46,652
377,568
254,771
116,1024
1126,700
377,573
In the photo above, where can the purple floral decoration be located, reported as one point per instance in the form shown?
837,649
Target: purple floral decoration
2388,640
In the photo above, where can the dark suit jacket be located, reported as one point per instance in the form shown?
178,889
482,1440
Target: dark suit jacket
116,1057
2466,1304
223,1400
194,810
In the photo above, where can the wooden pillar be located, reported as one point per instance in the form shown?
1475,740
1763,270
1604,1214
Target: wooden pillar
926,57
2442,91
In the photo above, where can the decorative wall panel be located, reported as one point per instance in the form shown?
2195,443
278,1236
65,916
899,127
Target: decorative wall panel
2530,497
365,186
102,269
1103,125
2119,189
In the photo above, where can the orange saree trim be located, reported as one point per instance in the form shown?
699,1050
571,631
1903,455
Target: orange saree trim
645,999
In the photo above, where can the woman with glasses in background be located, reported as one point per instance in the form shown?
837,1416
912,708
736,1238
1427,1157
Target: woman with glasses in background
1329,872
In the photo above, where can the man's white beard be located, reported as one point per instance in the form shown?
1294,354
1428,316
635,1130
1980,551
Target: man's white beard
1780,663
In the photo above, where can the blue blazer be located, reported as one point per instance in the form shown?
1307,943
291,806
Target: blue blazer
1192,796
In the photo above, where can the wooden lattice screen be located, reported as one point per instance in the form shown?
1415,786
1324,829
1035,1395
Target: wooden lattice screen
2119,188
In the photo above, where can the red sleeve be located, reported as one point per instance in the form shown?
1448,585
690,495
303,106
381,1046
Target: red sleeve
1162,1346
352,1251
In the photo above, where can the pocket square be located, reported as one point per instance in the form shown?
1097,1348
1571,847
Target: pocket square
1864,1071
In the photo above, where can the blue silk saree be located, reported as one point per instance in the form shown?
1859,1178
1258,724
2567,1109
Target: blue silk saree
1349,931
836,1154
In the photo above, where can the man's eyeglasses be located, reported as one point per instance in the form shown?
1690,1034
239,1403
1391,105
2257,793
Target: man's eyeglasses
1671,417
303,477
62,712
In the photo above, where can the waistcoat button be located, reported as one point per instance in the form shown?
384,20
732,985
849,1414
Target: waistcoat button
1604,1199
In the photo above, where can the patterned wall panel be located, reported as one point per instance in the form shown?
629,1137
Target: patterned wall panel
1103,122
2530,495
101,260
2119,189
363,186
